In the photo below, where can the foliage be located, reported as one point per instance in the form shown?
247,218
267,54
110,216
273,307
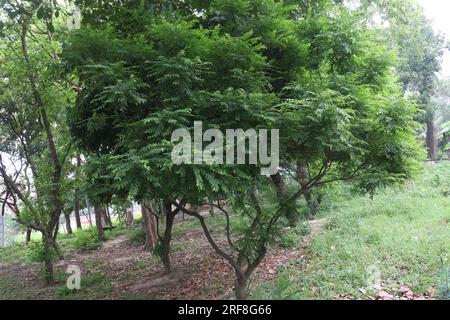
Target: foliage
35,252
87,240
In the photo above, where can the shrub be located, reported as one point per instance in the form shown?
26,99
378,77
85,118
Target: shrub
87,240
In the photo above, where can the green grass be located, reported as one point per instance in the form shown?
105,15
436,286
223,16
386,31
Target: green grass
404,234
93,286
14,289
16,253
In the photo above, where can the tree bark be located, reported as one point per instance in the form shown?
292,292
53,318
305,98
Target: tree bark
77,214
106,218
47,241
77,201
108,214
98,221
68,224
28,236
149,225
289,210
167,238
241,287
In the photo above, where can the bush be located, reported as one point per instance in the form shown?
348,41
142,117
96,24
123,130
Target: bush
35,252
87,240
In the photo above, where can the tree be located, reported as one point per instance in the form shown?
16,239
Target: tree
420,50
32,109
318,72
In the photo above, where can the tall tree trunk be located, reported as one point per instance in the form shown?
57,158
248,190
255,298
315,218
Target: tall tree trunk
303,177
57,165
68,224
77,200
149,225
167,238
98,221
289,210
431,138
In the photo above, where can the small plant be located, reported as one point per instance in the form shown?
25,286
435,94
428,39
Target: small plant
87,240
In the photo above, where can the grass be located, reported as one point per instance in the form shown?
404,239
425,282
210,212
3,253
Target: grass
402,235
93,286
13,289
15,253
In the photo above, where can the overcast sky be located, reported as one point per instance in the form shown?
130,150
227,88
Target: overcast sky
439,12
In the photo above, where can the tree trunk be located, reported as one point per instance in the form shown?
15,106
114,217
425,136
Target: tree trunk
57,249
149,225
108,214
241,287
106,218
130,217
77,214
47,241
77,201
98,221
289,210
167,238
89,214
68,224
28,236
303,177
431,138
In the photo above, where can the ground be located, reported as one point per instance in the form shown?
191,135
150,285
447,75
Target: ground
394,246
120,269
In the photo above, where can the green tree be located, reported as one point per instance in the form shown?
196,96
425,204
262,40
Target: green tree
34,129
315,70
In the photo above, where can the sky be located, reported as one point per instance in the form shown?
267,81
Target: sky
439,12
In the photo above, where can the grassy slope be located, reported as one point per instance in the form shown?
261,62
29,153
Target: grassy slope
403,234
